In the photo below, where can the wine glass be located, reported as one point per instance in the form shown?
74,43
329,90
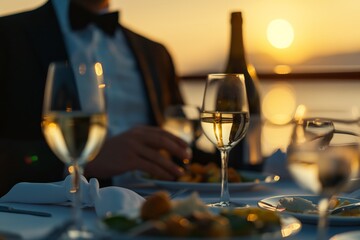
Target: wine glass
344,120
74,125
183,121
323,162
225,119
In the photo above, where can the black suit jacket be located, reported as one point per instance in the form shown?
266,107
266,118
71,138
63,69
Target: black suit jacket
29,41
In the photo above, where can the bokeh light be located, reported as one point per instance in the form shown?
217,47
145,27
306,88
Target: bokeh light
279,104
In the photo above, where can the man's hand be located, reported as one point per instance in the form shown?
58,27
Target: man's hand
140,148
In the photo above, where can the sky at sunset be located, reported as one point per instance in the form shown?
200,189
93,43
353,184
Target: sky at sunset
197,32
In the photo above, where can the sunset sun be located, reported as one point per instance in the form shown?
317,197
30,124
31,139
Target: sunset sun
280,33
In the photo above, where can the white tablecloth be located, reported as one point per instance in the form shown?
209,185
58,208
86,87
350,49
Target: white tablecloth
32,227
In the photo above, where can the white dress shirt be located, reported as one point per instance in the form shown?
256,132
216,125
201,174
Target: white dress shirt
126,98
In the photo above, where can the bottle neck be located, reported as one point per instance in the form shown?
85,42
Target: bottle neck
237,53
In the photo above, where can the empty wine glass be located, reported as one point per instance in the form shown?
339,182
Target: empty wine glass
183,121
74,125
225,119
323,162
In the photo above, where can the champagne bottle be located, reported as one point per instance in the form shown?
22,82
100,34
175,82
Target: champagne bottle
237,63
248,154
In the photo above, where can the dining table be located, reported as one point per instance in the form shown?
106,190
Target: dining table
24,226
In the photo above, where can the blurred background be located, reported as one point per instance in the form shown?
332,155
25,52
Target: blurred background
304,51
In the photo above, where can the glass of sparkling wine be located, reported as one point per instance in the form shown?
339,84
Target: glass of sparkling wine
74,125
183,121
323,162
225,119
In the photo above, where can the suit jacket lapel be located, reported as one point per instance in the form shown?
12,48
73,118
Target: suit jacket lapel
144,67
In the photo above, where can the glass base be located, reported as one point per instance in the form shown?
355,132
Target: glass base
78,234
68,231
228,205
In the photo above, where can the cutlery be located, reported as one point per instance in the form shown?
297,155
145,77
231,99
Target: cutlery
22,211
345,208
270,206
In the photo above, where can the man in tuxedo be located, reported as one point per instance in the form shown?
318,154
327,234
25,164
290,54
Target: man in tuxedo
143,83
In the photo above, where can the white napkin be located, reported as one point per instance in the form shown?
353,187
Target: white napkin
276,164
104,200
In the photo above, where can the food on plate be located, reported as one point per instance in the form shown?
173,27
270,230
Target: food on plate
296,205
209,173
250,221
302,205
190,217
156,206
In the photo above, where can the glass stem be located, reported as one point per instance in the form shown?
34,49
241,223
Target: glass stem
225,196
77,196
323,219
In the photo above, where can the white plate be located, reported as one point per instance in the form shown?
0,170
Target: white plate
311,218
262,179
353,235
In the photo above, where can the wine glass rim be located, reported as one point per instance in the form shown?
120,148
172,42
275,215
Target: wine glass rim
225,74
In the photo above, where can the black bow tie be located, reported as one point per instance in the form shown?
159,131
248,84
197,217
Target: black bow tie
80,18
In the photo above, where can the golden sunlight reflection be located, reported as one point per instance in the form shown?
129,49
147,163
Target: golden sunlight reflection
278,107
300,134
99,73
279,104
280,33
275,137
300,112
355,111
98,69
282,69
276,178
291,228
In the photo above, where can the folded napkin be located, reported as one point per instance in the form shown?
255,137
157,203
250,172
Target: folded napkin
104,200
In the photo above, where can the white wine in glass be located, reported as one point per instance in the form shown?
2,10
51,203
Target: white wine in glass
74,125
183,121
323,164
225,120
